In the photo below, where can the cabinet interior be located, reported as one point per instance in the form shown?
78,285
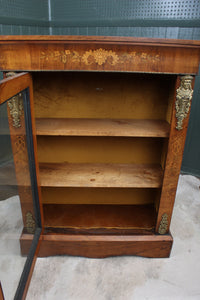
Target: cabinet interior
102,140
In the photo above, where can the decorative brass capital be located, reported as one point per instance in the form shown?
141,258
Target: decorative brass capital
163,224
30,223
183,100
9,74
16,105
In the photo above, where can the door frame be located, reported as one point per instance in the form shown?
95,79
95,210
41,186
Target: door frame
9,87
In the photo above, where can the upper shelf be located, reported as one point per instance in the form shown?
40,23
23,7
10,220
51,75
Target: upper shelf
102,127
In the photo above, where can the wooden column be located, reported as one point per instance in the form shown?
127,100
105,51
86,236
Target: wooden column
179,123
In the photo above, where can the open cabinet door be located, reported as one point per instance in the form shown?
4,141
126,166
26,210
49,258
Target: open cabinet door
20,218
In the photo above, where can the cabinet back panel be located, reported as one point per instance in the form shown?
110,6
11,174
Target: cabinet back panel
101,95
98,196
100,219
99,149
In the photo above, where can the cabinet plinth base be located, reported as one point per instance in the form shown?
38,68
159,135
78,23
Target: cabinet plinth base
26,240
100,246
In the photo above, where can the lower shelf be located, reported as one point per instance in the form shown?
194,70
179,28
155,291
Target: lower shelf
100,246
99,219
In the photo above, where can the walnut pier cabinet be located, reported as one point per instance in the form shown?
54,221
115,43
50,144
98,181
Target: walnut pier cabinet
109,118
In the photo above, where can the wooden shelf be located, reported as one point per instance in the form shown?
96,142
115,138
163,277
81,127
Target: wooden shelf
100,218
102,127
100,175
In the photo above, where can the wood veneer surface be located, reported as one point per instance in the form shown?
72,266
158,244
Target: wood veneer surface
99,246
174,157
122,54
102,245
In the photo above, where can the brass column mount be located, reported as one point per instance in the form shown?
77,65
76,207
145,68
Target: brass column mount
183,100
30,223
163,224
15,105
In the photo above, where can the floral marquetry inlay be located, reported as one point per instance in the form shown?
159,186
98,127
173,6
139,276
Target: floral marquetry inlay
99,56
63,56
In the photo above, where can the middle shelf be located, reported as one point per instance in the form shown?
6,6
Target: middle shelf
101,175
102,127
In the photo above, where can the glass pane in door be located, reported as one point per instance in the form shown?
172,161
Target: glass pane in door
19,216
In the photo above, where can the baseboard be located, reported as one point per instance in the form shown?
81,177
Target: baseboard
100,246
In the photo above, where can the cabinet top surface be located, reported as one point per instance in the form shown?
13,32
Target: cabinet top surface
96,39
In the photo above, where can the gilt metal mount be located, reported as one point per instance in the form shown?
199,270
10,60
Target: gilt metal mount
183,100
15,105
30,223
163,224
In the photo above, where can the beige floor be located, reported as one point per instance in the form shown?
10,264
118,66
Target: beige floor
11,261
127,278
